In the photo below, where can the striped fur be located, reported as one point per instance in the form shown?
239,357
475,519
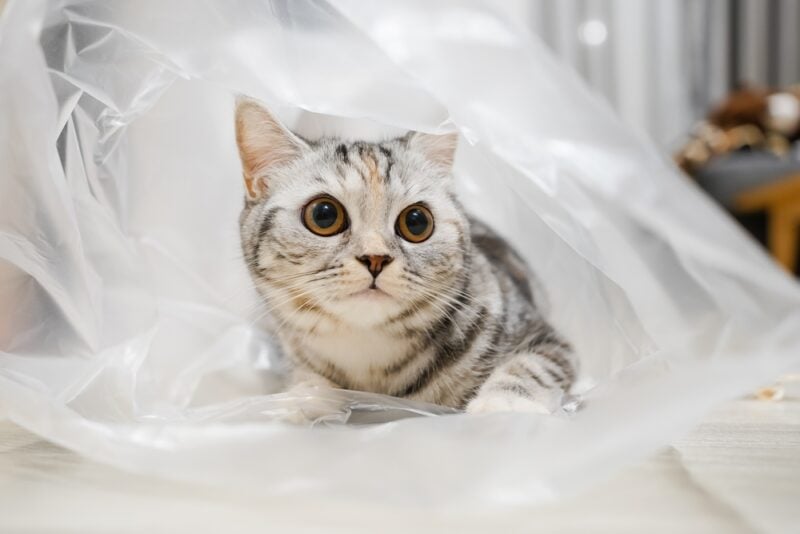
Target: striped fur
456,321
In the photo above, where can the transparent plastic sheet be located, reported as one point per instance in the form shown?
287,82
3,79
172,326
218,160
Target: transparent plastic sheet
125,326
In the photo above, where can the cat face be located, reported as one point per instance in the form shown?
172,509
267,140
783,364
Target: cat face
360,233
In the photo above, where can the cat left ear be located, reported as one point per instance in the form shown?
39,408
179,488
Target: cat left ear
439,149
264,144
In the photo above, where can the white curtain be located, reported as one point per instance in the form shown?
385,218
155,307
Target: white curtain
662,64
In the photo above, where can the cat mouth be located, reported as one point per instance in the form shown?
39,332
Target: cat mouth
372,292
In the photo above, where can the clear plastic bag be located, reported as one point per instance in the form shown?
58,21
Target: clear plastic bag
125,325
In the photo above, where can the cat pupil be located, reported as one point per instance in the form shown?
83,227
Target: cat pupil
325,214
416,222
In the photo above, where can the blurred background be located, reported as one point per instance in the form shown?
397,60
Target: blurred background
713,83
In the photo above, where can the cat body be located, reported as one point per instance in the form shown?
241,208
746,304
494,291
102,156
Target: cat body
375,279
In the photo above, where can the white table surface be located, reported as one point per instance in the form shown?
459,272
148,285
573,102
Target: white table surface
737,472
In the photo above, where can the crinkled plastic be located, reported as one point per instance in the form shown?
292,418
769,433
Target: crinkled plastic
126,330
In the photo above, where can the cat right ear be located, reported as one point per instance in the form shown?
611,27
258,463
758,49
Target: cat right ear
264,144
438,149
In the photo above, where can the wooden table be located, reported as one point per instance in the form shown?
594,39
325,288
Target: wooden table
781,201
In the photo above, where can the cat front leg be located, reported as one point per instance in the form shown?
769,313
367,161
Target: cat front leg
311,398
303,378
532,382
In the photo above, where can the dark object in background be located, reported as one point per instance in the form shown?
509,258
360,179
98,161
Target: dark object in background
745,106
726,177
763,192
746,155
749,119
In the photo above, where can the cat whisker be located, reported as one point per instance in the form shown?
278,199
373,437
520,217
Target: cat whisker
293,292
250,289
307,305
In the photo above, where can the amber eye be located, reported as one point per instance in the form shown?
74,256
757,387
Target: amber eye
415,223
325,216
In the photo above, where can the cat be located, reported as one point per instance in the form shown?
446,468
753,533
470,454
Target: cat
377,280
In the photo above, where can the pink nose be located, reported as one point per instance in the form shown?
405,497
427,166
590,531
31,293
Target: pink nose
375,263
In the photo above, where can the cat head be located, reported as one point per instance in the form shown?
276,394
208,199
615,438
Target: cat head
362,233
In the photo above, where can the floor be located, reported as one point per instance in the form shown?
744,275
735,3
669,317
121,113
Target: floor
737,472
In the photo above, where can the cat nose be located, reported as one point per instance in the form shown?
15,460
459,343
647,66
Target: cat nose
375,263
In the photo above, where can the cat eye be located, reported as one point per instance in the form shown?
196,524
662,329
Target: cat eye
325,216
415,223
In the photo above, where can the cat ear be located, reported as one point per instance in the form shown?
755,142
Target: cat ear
264,144
439,149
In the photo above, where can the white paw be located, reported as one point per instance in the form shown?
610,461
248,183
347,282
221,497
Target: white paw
296,416
306,405
307,415
497,401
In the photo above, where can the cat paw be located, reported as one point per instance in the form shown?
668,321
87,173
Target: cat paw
296,417
505,402
309,416
306,405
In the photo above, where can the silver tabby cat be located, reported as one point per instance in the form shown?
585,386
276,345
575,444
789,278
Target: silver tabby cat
377,280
